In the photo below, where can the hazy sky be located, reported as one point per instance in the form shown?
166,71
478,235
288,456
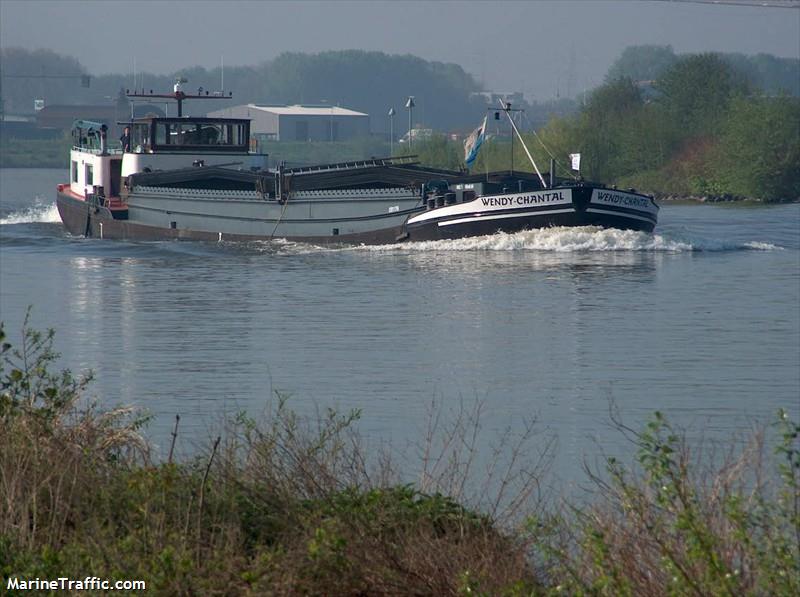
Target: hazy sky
538,47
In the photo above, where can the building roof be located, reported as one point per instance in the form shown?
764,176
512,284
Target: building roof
307,110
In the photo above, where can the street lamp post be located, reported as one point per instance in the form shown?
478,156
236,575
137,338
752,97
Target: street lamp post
410,108
391,131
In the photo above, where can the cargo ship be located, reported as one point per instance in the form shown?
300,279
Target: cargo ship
196,178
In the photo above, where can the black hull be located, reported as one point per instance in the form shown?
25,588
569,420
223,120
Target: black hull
511,212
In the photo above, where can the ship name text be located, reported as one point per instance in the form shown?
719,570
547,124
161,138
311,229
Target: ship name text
525,199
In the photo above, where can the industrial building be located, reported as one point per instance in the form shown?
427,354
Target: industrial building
300,123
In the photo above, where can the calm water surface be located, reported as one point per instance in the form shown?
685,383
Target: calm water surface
701,321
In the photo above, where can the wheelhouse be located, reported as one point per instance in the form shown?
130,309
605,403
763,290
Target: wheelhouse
190,135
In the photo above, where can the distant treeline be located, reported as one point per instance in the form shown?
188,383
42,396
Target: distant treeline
770,74
371,82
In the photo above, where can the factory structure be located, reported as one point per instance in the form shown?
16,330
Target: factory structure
300,123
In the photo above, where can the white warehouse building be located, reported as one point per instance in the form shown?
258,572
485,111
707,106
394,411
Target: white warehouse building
300,123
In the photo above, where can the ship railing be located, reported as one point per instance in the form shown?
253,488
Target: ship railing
353,164
97,150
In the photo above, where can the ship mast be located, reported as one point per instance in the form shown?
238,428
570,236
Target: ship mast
507,109
179,95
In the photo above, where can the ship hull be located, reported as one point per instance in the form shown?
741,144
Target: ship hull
351,217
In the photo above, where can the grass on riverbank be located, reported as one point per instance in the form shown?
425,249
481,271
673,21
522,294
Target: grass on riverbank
298,505
35,153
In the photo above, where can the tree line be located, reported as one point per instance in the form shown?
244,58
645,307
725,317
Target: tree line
371,82
446,96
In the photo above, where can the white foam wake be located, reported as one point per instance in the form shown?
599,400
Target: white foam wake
575,239
36,213
555,240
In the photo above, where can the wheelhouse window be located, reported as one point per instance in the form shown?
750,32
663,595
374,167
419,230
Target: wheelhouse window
201,135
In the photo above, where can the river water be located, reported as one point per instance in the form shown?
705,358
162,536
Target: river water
700,320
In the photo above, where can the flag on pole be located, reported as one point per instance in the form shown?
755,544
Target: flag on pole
473,143
575,158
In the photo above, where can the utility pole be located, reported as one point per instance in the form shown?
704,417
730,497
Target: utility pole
391,132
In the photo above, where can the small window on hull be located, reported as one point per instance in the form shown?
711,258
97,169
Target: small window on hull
74,171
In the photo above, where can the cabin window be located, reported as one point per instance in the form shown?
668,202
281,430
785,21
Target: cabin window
225,135
162,134
238,134
194,134
89,175
74,171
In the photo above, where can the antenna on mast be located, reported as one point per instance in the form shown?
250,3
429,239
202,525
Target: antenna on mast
179,95
222,73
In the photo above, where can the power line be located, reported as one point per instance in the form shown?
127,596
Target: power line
756,3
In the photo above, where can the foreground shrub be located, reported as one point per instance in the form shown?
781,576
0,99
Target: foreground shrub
287,505
676,524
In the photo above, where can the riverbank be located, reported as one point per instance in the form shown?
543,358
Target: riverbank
289,505
689,199
35,153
